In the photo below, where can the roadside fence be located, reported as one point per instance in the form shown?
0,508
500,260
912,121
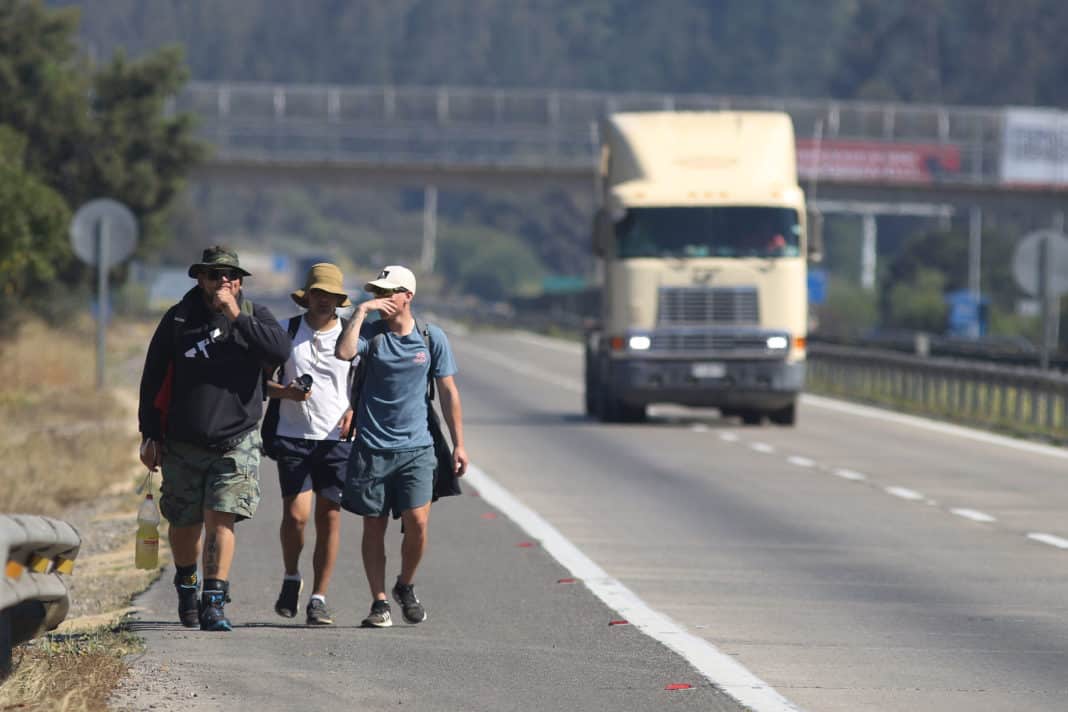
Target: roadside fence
1020,400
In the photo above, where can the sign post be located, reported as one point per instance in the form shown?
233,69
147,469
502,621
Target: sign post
103,233
1040,266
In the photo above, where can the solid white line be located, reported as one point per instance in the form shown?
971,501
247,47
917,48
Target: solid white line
801,461
916,421
547,342
849,475
904,493
718,667
1049,539
505,362
974,514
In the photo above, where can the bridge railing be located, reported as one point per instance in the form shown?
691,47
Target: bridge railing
296,122
33,595
1027,401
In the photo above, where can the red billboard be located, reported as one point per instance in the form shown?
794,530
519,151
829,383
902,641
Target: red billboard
877,161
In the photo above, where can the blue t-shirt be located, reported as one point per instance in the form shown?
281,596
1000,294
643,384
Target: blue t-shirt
392,413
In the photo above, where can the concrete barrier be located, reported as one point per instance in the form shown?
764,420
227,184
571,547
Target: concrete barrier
37,551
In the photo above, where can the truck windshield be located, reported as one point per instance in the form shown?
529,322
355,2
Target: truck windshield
735,231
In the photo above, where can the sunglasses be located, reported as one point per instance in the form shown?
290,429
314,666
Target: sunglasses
380,292
218,274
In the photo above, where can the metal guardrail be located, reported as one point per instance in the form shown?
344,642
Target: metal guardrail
1026,401
33,596
557,128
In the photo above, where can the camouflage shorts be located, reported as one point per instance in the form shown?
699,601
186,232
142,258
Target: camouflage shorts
196,478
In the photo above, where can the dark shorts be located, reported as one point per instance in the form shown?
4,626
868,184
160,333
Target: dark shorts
318,465
382,482
197,478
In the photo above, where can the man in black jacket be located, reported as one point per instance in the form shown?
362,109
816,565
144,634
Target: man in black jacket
201,401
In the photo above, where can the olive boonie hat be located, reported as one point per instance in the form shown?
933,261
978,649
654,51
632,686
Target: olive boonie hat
218,257
323,276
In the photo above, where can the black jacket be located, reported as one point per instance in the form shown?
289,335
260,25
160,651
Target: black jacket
216,391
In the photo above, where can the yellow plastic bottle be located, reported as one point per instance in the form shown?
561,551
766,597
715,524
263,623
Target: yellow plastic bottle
146,546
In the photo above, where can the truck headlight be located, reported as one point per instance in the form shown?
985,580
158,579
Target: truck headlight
639,343
777,343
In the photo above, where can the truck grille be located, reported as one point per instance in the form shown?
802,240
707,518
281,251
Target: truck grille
708,305
721,343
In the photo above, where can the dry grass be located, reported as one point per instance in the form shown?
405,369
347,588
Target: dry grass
63,444
73,673
63,441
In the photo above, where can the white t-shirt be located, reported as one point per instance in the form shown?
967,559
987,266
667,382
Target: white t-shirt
319,417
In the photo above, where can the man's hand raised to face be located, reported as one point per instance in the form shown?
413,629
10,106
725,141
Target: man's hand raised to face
225,299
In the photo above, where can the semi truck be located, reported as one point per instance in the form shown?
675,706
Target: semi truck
702,246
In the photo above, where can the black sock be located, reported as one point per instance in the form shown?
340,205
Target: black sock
214,584
186,575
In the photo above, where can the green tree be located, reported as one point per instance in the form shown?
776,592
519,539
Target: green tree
919,304
33,227
72,133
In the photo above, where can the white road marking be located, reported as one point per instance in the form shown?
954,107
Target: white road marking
801,461
728,437
934,426
547,342
505,362
904,493
718,667
1049,539
762,447
973,514
699,428
849,475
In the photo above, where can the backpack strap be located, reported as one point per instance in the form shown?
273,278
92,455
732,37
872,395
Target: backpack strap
425,331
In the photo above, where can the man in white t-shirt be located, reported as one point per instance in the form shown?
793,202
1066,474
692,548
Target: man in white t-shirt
312,443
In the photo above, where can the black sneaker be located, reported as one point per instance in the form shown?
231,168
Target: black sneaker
212,616
379,616
411,607
188,600
289,598
318,613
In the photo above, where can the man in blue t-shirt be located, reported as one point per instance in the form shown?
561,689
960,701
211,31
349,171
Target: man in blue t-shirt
392,466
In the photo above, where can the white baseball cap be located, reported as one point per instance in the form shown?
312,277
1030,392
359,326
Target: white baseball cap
393,277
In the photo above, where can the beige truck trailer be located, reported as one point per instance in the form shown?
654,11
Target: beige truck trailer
701,233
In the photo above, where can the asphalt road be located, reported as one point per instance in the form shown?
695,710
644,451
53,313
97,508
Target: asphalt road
860,561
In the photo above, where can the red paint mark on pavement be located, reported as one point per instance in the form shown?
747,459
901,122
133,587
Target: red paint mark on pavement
525,544
619,622
678,686
489,515
566,580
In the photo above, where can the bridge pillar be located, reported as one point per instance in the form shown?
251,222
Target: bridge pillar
868,251
430,229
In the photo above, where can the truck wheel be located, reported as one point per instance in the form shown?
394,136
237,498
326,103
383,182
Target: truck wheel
751,417
784,416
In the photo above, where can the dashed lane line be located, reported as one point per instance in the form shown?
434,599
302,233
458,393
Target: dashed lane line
1049,539
974,514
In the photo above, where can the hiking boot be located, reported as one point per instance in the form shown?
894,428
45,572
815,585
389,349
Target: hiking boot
289,598
318,614
379,616
211,611
411,607
188,600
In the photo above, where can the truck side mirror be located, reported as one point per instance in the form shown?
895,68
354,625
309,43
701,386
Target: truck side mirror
815,236
602,232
